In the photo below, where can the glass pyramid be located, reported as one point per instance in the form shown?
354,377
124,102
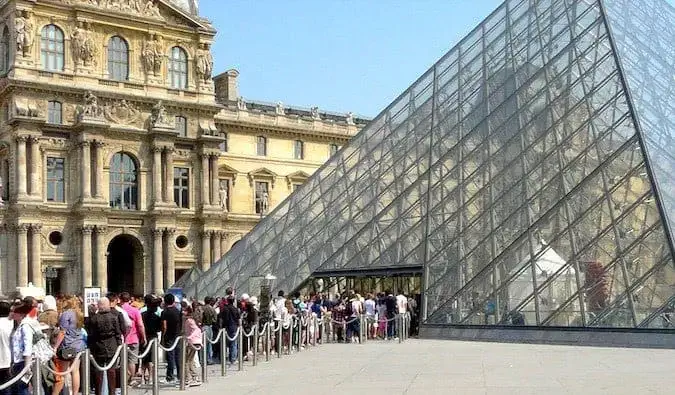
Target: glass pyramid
529,172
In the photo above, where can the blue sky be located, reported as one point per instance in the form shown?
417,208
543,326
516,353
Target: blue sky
340,55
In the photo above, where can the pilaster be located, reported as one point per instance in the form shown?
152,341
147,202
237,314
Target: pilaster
170,267
36,276
85,255
101,263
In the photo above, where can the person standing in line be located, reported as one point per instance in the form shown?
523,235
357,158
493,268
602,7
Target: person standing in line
69,343
134,338
209,320
193,335
171,326
152,324
371,317
22,343
390,302
6,328
229,320
104,336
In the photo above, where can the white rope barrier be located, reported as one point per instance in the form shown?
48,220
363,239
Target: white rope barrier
217,339
142,355
236,335
16,378
173,347
112,362
75,363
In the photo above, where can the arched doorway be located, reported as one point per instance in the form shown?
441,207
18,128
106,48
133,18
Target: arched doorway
125,264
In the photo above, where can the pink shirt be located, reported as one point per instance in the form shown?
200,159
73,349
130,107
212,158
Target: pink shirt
192,331
136,323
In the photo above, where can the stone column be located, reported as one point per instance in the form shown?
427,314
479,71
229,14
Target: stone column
85,256
168,181
205,179
223,242
215,246
85,171
21,168
214,180
170,271
36,255
206,250
157,175
9,273
157,274
98,184
35,166
101,259
22,254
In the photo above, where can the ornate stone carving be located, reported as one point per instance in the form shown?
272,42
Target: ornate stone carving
101,229
87,229
122,113
90,108
279,109
35,228
146,8
26,108
315,113
159,118
23,30
350,118
84,45
204,62
153,55
241,103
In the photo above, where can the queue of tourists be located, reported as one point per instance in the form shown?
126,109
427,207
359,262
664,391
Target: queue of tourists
56,329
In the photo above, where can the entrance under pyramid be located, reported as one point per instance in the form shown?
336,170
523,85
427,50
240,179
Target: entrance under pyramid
528,177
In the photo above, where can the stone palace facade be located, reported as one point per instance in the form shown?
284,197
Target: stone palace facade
123,161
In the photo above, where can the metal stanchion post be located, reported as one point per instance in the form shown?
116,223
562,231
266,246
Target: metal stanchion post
280,344
324,335
223,352
399,320
315,325
255,345
361,328
240,343
204,359
124,370
155,368
86,373
268,340
300,340
37,378
183,362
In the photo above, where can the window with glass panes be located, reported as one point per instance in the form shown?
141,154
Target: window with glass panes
55,179
51,48
181,187
123,182
118,58
4,51
299,149
333,149
181,126
261,146
178,66
223,144
261,194
54,112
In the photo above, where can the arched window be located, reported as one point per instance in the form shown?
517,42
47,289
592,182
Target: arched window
123,182
4,51
178,65
118,59
51,48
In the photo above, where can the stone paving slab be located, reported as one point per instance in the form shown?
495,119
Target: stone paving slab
453,367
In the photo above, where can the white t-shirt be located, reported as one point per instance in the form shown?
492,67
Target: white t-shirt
6,326
402,304
370,307
279,307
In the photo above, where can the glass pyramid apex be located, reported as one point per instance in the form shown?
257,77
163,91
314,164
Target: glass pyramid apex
526,174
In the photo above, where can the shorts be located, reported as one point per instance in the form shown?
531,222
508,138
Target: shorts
132,354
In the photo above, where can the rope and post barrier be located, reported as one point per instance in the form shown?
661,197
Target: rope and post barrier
204,359
183,362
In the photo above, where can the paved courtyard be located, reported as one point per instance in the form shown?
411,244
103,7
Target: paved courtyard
452,367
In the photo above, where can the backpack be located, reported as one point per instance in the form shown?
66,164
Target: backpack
42,350
349,309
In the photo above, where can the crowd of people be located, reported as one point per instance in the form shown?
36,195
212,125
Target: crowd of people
138,321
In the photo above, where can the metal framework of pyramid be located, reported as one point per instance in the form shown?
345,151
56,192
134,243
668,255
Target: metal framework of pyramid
530,172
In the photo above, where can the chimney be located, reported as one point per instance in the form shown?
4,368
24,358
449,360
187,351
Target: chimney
226,86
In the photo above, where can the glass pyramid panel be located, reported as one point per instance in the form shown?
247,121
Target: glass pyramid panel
512,171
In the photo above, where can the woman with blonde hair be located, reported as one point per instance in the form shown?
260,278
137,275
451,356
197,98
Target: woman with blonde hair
69,343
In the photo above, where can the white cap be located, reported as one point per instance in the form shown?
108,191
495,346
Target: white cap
244,297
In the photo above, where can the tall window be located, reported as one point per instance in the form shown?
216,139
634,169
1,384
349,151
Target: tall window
51,48
4,51
261,146
123,182
181,187
223,144
55,180
299,149
181,126
333,148
178,65
54,112
261,197
296,186
118,59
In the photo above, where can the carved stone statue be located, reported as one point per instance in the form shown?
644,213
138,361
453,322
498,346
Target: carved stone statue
315,113
265,202
23,28
91,108
241,103
153,55
147,8
150,8
280,110
122,113
84,46
158,114
204,61
350,118
223,195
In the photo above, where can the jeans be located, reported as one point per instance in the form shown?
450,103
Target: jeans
208,331
353,328
19,388
233,351
173,363
390,325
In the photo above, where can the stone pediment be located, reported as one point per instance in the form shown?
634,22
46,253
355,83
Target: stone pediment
262,174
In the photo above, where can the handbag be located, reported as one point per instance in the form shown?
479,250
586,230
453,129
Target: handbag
66,353
42,350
